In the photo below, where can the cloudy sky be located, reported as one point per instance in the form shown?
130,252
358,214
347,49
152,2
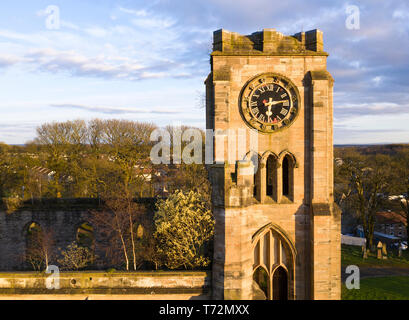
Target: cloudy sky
146,60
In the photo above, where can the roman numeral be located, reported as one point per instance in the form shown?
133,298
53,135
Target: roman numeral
284,112
261,117
283,95
253,103
255,111
262,90
286,103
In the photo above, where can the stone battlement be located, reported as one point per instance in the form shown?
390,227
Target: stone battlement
268,41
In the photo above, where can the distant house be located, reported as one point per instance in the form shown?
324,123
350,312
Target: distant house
43,173
391,223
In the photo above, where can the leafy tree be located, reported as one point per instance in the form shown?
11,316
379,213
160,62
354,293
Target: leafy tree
184,227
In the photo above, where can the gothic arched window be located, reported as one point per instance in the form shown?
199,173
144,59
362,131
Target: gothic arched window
288,177
274,264
271,177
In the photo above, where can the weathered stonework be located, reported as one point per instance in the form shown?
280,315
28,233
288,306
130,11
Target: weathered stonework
298,232
167,285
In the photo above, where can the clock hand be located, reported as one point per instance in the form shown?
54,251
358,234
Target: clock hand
269,113
277,102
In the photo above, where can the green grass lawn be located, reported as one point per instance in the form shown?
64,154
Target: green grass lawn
376,288
382,288
352,255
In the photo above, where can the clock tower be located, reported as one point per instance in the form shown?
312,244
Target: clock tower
269,107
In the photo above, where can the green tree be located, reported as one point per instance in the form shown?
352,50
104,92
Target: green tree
184,227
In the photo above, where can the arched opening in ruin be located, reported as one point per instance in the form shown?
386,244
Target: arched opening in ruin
35,245
85,235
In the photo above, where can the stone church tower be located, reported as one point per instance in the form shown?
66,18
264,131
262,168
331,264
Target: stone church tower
269,102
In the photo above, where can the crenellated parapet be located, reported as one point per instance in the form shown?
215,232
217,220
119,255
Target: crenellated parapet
268,41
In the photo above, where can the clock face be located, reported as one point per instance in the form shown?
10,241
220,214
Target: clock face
269,103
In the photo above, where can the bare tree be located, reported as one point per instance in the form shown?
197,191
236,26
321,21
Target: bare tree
368,184
75,257
117,221
40,247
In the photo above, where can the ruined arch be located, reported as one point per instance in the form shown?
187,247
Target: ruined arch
84,235
34,242
276,254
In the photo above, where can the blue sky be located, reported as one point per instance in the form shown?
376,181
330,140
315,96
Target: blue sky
147,60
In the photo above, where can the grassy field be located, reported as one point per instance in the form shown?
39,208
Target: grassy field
382,288
352,255
376,288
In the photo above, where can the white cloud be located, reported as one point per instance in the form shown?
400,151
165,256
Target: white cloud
377,80
8,60
69,25
115,110
79,65
138,13
148,23
400,14
97,32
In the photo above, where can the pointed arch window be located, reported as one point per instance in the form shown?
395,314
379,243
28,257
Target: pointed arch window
256,161
274,264
271,177
287,174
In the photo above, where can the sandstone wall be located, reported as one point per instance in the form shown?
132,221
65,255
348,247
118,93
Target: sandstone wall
101,285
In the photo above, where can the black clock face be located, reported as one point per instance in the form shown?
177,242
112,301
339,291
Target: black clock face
269,103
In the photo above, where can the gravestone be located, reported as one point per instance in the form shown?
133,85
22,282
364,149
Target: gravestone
379,248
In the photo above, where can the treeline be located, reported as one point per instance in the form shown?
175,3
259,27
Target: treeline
79,159
365,178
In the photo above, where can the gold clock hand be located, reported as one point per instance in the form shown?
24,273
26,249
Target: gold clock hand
277,102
